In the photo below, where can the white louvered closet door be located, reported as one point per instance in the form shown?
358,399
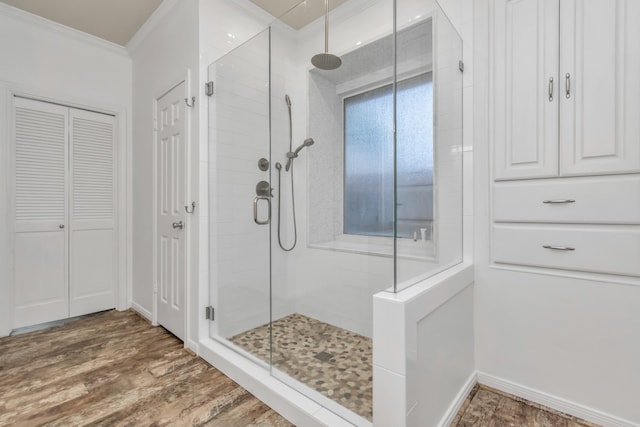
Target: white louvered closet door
92,216
64,258
40,208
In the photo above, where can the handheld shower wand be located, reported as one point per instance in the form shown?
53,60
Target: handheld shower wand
293,154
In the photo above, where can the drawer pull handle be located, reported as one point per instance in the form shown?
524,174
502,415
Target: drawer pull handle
559,248
558,201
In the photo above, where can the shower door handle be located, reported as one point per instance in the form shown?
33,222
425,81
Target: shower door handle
255,210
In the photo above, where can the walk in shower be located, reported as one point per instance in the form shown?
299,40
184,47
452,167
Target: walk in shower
328,186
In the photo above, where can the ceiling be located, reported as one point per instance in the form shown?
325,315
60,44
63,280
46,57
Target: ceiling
296,17
118,20
113,20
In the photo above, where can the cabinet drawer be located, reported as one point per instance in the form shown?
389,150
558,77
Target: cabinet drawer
596,249
596,200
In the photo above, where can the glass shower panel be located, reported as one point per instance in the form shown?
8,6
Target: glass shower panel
322,290
429,149
240,196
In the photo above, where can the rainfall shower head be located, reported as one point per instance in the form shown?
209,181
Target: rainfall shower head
326,60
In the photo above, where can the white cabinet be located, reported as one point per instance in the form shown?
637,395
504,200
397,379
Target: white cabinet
613,199
566,92
63,214
565,127
594,249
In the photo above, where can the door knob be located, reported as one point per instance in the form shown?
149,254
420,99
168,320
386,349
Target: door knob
61,226
179,225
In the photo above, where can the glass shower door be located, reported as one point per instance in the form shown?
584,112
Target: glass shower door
240,195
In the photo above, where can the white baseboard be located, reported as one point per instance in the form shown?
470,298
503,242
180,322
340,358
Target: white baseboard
459,400
142,311
193,346
554,402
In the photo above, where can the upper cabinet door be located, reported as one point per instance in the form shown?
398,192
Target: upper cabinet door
525,88
600,87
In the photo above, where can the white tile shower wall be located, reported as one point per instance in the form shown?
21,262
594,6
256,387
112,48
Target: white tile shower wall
239,126
326,160
48,60
337,287
282,262
240,281
448,154
223,25
342,282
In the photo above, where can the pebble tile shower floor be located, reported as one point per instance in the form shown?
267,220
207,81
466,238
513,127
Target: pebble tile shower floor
331,360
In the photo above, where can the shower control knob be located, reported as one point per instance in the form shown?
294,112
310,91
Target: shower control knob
263,164
61,226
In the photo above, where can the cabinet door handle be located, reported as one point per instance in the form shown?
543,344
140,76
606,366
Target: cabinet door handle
559,248
567,80
550,89
558,201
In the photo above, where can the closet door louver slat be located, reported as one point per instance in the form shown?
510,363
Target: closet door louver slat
92,169
40,143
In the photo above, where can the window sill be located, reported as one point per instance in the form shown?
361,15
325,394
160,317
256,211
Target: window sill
379,246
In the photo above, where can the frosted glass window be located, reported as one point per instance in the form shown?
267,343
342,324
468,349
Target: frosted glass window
368,159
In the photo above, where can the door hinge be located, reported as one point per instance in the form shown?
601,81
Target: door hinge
209,313
208,88
461,66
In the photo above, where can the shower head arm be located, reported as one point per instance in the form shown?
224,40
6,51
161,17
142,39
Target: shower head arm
326,26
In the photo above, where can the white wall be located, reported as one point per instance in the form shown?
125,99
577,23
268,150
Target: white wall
570,343
163,52
49,61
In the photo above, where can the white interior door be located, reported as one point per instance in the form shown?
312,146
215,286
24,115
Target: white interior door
40,211
92,214
171,161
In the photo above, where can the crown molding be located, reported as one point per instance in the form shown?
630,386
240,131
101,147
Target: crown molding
150,24
47,24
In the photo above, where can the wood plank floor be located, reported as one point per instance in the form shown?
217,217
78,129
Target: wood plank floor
486,407
115,369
